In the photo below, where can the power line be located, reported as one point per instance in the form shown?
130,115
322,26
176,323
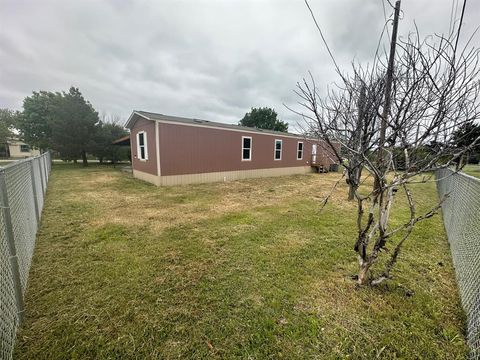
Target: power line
323,38
385,15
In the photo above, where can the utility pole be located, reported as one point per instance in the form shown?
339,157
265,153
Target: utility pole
388,90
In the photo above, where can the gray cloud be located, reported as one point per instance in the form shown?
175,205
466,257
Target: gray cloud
203,58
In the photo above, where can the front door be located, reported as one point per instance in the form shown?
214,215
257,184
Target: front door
314,153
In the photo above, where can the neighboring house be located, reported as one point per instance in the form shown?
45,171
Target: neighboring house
18,149
170,150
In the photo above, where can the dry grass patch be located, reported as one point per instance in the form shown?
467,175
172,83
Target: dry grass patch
245,269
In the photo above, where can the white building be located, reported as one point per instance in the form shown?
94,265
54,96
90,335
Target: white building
18,149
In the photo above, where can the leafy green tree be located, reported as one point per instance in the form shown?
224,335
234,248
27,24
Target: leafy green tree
8,120
35,122
464,136
74,123
264,118
67,123
103,149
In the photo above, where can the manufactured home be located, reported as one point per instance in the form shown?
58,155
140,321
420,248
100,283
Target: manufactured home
170,150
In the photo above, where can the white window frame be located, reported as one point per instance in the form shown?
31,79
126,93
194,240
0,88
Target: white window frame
275,149
244,148
145,147
298,150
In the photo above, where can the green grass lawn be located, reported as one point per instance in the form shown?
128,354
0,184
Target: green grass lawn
248,269
472,169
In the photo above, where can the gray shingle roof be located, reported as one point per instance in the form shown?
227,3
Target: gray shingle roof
183,120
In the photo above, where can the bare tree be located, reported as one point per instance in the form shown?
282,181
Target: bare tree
348,116
396,135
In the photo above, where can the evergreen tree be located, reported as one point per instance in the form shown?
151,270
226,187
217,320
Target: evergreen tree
264,118
74,123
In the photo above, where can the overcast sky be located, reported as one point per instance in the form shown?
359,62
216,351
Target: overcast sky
204,59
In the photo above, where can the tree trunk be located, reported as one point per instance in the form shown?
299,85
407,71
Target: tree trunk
351,191
100,159
363,278
84,158
353,182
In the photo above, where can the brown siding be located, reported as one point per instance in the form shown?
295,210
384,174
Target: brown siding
193,149
149,166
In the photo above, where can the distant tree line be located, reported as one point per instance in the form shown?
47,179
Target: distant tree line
66,123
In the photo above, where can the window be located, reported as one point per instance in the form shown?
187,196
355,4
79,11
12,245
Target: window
142,151
278,149
24,148
246,148
299,150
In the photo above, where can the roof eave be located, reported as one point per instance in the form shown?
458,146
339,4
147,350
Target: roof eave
131,120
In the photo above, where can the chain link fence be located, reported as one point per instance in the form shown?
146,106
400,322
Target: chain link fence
22,191
461,215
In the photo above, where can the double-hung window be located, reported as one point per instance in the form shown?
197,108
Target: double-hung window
278,149
246,148
142,151
299,150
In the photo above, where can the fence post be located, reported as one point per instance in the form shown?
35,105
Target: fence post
5,206
45,160
45,164
45,170
41,174
35,199
50,159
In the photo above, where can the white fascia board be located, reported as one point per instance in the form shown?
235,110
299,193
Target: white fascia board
130,121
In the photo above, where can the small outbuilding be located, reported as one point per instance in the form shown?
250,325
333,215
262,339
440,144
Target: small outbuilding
17,149
171,150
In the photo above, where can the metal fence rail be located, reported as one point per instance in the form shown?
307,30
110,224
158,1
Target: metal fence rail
461,215
22,191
